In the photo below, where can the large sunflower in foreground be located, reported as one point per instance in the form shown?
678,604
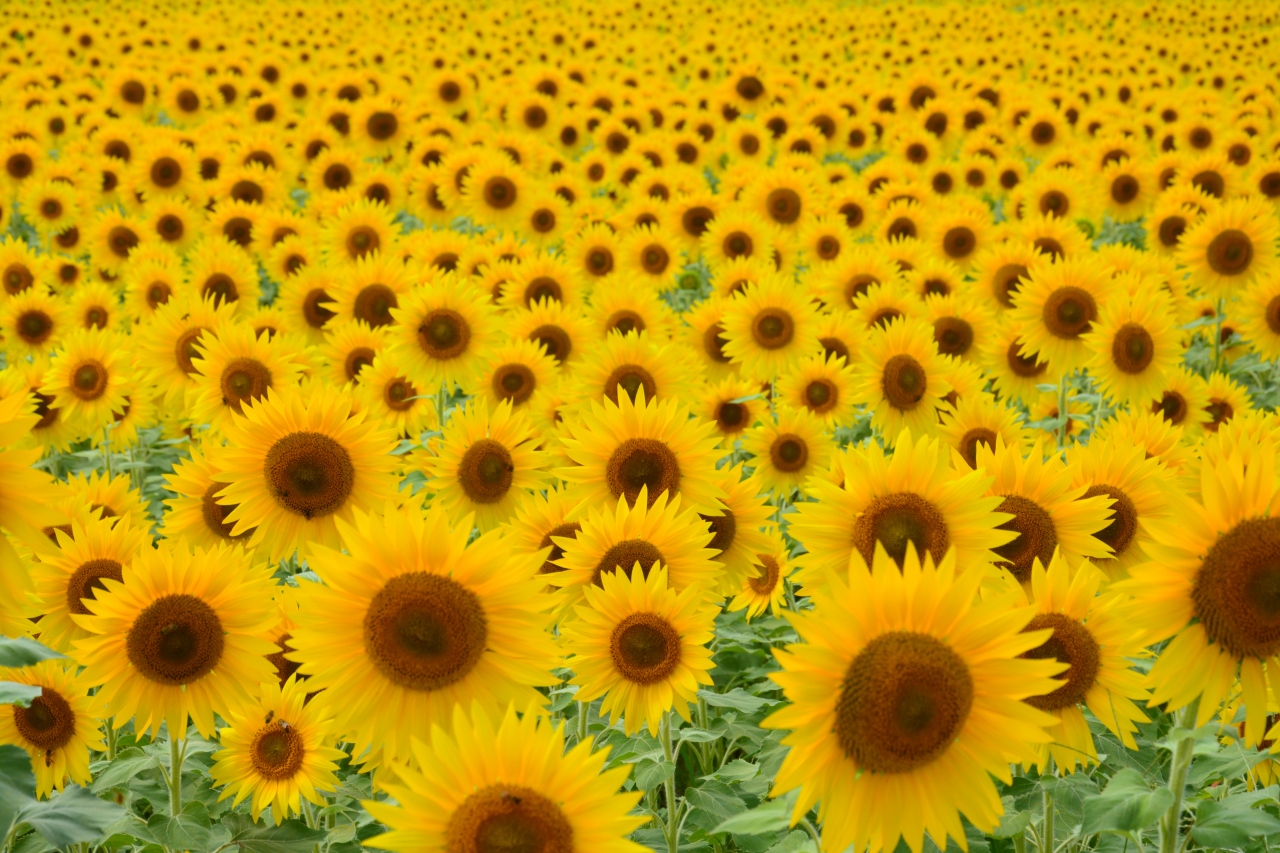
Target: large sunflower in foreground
473,788
276,752
1093,636
889,499
642,646
295,464
92,550
181,635
900,377
621,448
485,462
1210,586
907,696
60,726
412,621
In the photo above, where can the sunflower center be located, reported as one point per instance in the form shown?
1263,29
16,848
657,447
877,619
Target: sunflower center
89,381
444,334
382,125
1006,281
713,343
959,242
1230,252
1172,406
48,724
277,751
554,340
1069,312
828,248
1072,644
599,261
1025,366
399,395
1124,523
425,631
904,382
176,640
640,463
624,556
499,193
738,245
284,666
1237,590
568,530
773,328
34,327
1272,315
362,240
121,241
1124,189
244,380
766,581
904,700
215,515
783,206
514,382
723,528
87,579
1132,349
970,441
789,453
857,287
1037,538
645,648
834,348
166,172
1220,411
540,288
896,519
313,309
631,378
625,321
486,471
358,359
953,335
508,819
731,417
374,303
1171,229
821,396
158,294
17,278
309,473
655,259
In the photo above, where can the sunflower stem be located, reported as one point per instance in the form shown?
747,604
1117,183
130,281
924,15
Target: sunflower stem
112,738
1217,336
669,786
808,827
1062,412
176,754
440,401
582,721
1046,836
1178,768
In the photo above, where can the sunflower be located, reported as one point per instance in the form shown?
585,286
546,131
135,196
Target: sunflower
86,379
276,753
235,367
412,621
53,206
652,254
538,516
623,365
959,324
90,549
1092,634
735,234
494,190
1014,376
60,727
960,234
371,289
349,347
1174,211
1232,246
152,279
979,419
768,327
194,512
486,793
881,304
357,229
1227,398
221,271
109,495
518,369
704,336
34,322
297,464
21,267
788,451
545,277
180,635
823,385
732,405
764,588
485,462
1259,317
1130,189
388,398
1002,270
113,236
906,697
443,333
592,252
94,306
621,449
1049,511
1183,400
900,377
1056,308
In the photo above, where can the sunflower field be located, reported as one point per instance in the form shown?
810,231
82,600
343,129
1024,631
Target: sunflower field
606,426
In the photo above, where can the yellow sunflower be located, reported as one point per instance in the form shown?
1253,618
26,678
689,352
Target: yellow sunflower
180,635
906,698
221,271
295,464
276,752
518,369
1227,398
412,621
59,728
732,405
624,365
88,380
34,323
640,645
110,495
978,419
1232,246
539,516
167,345
764,589
704,336
387,397
349,347
487,791
443,332
769,327
194,513
738,533
1259,317
1133,344
1056,307
236,367
821,384
900,378
356,230
484,463
1183,399
787,451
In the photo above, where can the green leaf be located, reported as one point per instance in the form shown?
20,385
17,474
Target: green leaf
191,829
715,798
737,699
650,774
17,785
770,816
695,735
16,693
292,836
1232,763
73,816
1125,805
127,764
1012,823
738,771
1232,822
24,651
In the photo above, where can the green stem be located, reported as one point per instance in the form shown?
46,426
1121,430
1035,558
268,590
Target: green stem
1178,768
112,738
440,401
669,786
1217,335
808,827
176,754
1020,842
1062,412
1046,835
582,721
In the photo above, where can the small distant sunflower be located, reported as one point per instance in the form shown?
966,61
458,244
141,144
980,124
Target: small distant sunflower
113,236
1232,246
179,636
769,327
960,324
735,234
1138,488
1049,511
824,386
543,277
642,646
732,405
490,793
276,753
295,465
518,369
630,308
1057,307
111,496
371,289
235,368
780,196
52,206
95,305
593,252
881,304
764,588
961,234
1227,398
652,255
485,462
349,347
87,378
493,192
387,397
1183,400
194,513
900,377
979,419
538,516
412,621
356,230
443,333
1259,317
34,323
906,698
1014,375
60,727
623,365
789,451
705,337
1053,238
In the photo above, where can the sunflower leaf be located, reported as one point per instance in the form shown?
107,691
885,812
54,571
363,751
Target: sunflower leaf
23,651
292,836
127,765
73,816
1127,804
15,693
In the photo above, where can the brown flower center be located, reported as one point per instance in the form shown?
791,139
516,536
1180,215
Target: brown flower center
215,515
1069,312
244,380
568,530
374,303
1230,253
1037,537
89,381
789,453
894,520
277,751
631,378
486,471
773,328
48,724
904,382
425,631
175,640
88,579
507,818
309,474
971,440
952,335
645,648
624,556
1072,644
444,334
1132,349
